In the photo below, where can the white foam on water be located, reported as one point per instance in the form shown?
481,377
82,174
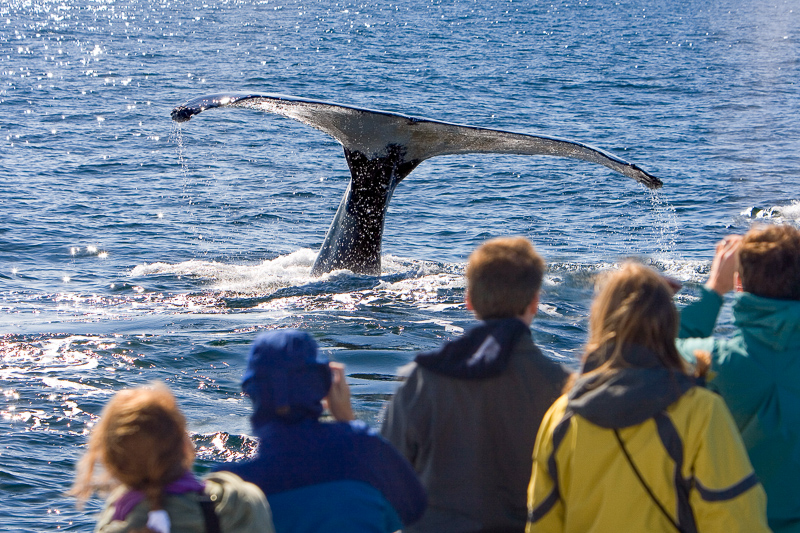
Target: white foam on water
294,269
572,359
51,365
791,211
448,326
424,290
21,360
685,271
55,383
549,310
264,278
779,213
682,270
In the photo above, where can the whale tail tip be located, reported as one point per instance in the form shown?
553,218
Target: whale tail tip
182,114
643,177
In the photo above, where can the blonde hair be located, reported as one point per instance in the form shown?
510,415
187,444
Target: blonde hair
769,262
503,277
632,306
140,441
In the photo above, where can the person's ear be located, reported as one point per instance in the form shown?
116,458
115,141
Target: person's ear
530,310
737,282
534,305
468,301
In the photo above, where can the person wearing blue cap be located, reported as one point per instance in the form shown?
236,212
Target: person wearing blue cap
320,476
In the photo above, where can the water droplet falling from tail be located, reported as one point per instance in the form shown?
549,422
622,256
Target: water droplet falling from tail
666,225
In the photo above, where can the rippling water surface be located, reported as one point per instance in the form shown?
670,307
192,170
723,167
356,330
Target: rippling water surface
132,250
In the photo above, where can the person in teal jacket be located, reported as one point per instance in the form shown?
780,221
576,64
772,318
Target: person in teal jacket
757,369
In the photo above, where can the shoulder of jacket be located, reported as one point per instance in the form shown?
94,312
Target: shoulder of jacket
559,410
700,396
526,351
227,489
240,505
696,403
222,478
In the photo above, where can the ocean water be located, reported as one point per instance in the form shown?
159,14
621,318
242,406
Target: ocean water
134,250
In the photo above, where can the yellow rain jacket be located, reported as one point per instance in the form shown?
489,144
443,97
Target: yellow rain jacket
680,437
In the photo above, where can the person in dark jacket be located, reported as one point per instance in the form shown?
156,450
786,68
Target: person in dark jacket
468,414
320,476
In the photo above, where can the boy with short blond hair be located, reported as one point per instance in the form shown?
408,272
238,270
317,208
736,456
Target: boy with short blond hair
503,277
757,370
467,416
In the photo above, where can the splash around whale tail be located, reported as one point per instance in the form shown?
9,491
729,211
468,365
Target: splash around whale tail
381,149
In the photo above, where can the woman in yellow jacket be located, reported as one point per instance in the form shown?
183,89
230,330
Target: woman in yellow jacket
636,445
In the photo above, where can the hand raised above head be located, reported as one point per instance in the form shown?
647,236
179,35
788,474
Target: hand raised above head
725,265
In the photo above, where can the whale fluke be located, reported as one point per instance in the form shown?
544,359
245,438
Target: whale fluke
381,149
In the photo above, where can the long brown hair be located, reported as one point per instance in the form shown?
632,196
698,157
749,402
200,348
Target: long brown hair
140,441
633,306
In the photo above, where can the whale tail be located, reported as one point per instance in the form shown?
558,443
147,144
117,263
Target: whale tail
381,149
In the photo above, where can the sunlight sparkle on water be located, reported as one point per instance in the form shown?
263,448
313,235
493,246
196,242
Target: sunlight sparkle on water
219,442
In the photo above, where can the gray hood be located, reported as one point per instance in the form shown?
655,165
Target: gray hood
627,396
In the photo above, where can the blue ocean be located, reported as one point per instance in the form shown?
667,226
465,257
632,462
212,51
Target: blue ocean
135,249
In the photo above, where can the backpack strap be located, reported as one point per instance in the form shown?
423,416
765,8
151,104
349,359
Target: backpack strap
644,484
209,514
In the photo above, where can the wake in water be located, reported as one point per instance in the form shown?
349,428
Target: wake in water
776,213
286,283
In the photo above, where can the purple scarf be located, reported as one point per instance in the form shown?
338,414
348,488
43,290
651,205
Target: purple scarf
132,498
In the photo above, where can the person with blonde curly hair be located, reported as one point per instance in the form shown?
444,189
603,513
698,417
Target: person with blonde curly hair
635,444
146,456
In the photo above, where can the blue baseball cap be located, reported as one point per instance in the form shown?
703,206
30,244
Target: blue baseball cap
286,377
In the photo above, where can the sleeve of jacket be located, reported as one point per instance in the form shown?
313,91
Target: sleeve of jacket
545,504
405,425
392,474
697,325
728,497
699,318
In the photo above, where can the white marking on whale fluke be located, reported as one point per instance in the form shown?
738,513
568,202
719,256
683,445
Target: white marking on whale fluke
383,148
371,132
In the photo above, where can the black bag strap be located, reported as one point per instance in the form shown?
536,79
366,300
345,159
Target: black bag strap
645,485
209,515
